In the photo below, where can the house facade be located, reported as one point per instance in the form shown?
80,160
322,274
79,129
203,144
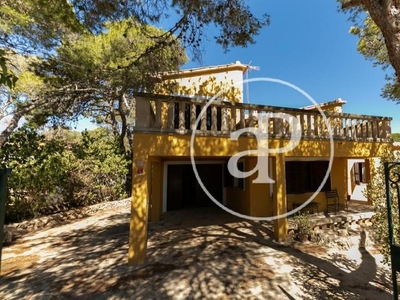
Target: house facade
304,152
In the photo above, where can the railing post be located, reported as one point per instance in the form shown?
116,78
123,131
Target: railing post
4,173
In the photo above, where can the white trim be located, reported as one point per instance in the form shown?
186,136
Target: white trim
203,162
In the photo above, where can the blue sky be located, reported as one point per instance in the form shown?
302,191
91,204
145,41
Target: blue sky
308,45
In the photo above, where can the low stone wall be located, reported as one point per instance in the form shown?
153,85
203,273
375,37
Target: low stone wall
16,230
342,231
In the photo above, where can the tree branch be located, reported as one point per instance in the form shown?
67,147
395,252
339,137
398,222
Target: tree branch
346,4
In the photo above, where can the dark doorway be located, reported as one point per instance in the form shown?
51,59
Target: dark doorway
359,172
184,191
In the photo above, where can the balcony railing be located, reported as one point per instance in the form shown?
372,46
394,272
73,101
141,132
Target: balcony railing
178,115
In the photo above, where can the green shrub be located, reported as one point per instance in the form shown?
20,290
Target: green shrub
101,171
376,192
40,173
53,175
304,225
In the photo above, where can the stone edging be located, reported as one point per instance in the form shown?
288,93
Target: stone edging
15,230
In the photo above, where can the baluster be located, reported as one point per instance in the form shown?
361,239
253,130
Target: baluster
182,116
242,118
233,119
278,126
341,128
388,130
214,118
384,130
164,115
353,129
308,125
316,125
225,119
302,124
193,116
358,128
263,121
251,121
157,122
336,128
203,119
171,115
376,129
364,132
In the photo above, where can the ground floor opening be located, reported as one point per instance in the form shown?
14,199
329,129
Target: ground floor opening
183,190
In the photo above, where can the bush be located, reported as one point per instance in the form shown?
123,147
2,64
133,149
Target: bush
101,170
304,226
376,192
40,173
49,176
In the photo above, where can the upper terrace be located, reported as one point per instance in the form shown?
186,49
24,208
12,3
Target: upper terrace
168,114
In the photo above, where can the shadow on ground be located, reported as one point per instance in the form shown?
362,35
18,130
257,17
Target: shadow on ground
203,254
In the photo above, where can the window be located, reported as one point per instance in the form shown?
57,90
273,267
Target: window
306,176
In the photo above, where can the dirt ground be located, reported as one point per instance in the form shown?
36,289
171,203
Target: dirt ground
192,254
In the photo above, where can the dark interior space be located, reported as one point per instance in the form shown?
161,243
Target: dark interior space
184,191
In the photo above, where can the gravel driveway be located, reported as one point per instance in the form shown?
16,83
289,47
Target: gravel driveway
192,254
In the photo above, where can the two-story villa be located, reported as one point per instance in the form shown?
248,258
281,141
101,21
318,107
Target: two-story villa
163,176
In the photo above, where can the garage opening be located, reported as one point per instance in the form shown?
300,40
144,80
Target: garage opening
183,190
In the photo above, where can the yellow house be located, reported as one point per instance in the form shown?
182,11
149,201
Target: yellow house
206,82
300,148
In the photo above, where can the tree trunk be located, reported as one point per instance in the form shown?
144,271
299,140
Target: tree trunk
386,15
13,124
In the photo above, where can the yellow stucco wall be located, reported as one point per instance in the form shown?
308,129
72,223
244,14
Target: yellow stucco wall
238,200
175,145
208,81
260,198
